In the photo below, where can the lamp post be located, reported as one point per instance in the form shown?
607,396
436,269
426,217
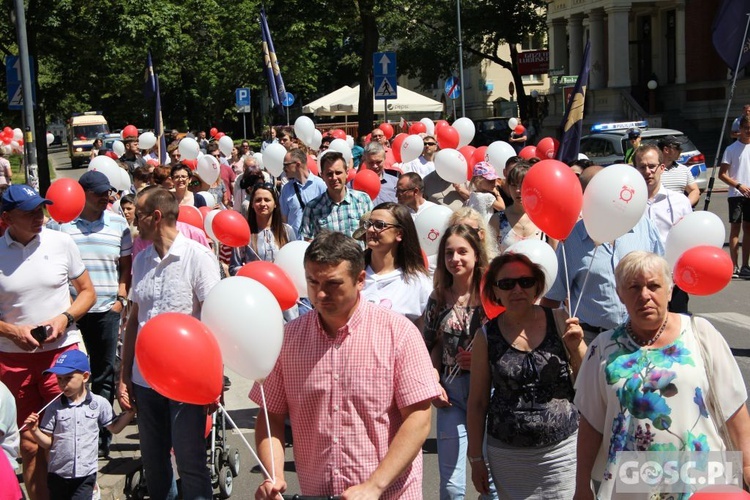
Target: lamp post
652,85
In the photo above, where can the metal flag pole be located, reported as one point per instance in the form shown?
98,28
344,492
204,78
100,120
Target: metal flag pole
460,61
726,117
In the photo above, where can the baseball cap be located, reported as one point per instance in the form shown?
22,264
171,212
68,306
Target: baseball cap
634,133
360,231
484,169
670,140
95,181
23,197
69,362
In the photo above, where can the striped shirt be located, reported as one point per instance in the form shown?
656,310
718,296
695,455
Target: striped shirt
344,395
102,243
676,177
600,305
324,214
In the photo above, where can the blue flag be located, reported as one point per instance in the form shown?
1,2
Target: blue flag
151,90
270,64
572,124
728,31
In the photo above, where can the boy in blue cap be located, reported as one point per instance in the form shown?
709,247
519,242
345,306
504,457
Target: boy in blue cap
70,429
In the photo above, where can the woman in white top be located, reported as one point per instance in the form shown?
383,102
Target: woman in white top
396,277
513,224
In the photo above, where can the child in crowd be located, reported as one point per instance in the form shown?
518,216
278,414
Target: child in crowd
70,429
485,197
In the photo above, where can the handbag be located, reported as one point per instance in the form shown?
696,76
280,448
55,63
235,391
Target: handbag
560,316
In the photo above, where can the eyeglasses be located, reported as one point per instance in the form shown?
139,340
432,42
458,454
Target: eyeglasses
430,144
287,163
379,225
141,215
510,283
178,177
406,190
377,136
649,166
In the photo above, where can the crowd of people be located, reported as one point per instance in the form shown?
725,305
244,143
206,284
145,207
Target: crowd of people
537,403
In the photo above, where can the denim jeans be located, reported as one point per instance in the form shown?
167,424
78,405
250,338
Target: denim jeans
452,441
165,424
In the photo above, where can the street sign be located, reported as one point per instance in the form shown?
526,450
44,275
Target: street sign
13,81
384,71
289,100
567,79
242,97
452,88
557,72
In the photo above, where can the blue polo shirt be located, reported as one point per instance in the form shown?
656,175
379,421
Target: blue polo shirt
289,202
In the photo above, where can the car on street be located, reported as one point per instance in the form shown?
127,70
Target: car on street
489,130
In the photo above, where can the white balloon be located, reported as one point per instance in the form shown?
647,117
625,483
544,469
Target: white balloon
124,182
695,229
208,169
350,141
540,253
411,148
247,322
431,225
50,138
497,155
189,148
342,147
303,129
429,125
258,159
119,148
110,168
273,158
291,259
226,144
17,134
208,197
513,123
451,166
208,222
466,130
317,139
146,140
614,202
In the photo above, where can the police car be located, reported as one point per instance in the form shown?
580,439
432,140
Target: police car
608,142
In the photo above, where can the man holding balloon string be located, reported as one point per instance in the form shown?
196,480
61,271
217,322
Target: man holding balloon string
175,274
356,383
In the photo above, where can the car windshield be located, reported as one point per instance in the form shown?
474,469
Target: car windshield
84,132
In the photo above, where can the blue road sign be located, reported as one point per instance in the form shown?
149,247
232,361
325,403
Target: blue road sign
452,88
289,99
242,97
13,80
384,70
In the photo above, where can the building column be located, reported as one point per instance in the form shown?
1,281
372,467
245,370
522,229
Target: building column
575,44
680,51
618,46
557,45
597,77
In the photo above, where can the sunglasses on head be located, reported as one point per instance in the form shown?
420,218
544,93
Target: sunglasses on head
510,283
264,185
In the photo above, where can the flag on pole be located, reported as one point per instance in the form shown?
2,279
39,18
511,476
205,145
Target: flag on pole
151,90
728,30
271,64
572,124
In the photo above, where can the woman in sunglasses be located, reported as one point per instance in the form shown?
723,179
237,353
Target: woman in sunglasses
453,314
522,389
396,277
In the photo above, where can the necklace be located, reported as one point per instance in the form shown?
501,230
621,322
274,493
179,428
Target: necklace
460,300
522,334
652,340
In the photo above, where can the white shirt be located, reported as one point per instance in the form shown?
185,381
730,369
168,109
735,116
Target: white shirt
179,282
666,209
421,208
34,283
391,291
420,166
677,177
737,155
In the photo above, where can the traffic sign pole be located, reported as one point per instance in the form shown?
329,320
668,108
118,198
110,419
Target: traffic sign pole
32,176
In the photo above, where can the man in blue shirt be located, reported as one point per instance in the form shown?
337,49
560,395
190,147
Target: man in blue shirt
302,188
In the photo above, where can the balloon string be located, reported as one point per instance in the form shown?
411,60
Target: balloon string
268,430
260,464
567,280
585,279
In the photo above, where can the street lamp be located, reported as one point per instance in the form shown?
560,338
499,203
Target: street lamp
652,85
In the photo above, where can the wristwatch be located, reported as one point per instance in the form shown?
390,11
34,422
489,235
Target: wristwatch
122,300
70,318
738,186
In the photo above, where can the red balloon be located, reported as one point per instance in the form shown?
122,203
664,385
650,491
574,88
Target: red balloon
552,197
20,142
387,129
352,173
519,130
275,279
703,270
6,140
153,162
191,215
468,153
447,137
112,155
213,131
219,135
425,259
491,309
338,134
180,358
368,138
129,131
396,146
68,200
440,124
417,128
479,154
204,212
721,492
312,164
191,164
547,148
8,131
528,153
368,181
231,228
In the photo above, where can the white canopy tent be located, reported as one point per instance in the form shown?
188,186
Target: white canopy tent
322,105
347,103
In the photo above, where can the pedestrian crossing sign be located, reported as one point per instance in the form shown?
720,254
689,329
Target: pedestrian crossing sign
385,87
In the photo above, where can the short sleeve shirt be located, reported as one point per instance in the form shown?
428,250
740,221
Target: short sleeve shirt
677,177
737,156
289,202
324,214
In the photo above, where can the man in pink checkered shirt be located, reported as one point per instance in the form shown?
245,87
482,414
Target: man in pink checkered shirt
356,382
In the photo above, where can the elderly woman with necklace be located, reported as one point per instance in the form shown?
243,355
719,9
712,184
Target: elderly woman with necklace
658,382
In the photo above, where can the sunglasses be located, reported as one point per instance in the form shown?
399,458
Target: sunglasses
194,183
510,283
264,185
430,143
379,225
